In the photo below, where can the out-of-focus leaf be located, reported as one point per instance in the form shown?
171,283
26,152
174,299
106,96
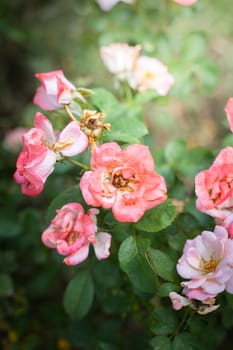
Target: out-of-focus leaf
6,285
79,295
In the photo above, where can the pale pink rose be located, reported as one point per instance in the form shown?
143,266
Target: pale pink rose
72,231
214,187
229,112
41,149
150,73
207,262
13,139
185,2
55,91
123,180
120,59
107,5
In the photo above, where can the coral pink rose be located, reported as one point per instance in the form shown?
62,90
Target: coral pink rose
41,150
185,2
107,5
207,262
72,231
229,112
120,59
55,90
123,180
214,187
150,73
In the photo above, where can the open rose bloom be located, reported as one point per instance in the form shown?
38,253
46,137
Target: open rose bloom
150,73
41,149
123,180
55,91
214,187
72,231
107,5
140,72
120,59
207,262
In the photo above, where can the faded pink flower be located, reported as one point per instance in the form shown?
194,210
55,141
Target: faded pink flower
207,262
120,59
107,5
123,180
13,139
150,73
55,91
229,112
214,187
178,301
185,2
72,231
41,150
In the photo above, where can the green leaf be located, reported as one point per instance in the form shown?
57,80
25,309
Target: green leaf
6,285
158,218
186,341
132,258
208,74
161,343
193,161
194,46
72,194
103,100
145,96
166,288
126,125
174,151
162,264
164,321
79,295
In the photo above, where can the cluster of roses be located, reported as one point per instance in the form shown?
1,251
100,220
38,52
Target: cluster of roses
140,72
116,178
107,5
207,260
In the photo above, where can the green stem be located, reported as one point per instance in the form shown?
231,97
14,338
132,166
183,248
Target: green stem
70,114
186,318
75,162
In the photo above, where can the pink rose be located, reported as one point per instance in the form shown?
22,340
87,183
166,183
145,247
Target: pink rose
123,180
72,231
107,5
13,139
229,112
214,187
185,2
150,73
120,59
207,262
41,150
55,91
